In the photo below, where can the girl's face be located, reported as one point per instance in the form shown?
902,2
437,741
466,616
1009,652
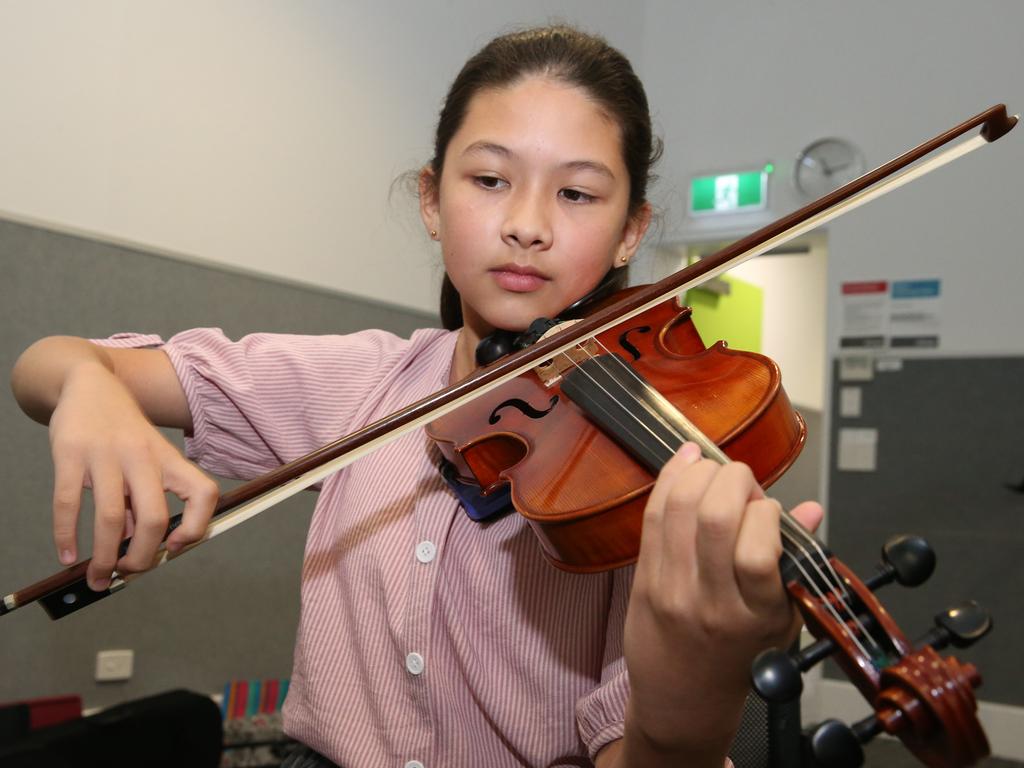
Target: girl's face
532,208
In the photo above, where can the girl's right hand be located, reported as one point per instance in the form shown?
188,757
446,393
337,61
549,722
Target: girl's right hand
101,439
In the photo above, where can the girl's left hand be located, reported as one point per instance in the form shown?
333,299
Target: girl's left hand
707,597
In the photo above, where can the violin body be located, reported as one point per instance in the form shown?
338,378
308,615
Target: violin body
581,491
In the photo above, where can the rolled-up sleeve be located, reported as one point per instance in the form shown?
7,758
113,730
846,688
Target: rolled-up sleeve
601,714
267,399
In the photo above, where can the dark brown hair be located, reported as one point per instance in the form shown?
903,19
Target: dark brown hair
576,58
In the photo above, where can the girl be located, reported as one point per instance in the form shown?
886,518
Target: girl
426,639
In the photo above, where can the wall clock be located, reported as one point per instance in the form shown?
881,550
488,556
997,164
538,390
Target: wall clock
825,165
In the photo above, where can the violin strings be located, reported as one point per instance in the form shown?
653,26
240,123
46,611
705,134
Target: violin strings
794,530
714,452
795,533
791,530
669,449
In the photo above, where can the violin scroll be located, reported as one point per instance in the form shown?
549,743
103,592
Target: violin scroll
923,699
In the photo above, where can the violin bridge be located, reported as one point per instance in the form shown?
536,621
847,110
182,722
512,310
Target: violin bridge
552,370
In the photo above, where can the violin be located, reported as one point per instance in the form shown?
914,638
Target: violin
615,410
625,388
636,381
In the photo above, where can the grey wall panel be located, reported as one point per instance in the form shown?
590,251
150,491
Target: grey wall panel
802,481
226,610
950,446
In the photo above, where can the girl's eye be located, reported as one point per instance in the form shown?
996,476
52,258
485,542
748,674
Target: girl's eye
490,182
575,196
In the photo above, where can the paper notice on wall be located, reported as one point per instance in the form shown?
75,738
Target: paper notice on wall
914,318
865,314
898,314
850,402
889,364
858,450
856,366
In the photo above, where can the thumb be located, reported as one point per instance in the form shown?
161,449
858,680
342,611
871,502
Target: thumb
809,514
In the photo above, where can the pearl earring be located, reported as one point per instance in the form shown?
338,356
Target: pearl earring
433,234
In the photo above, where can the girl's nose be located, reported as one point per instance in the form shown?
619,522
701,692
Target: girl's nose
527,222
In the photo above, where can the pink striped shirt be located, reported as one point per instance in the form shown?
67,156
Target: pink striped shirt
425,638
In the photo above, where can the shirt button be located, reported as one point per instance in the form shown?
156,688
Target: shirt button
414,764
414,663
425,551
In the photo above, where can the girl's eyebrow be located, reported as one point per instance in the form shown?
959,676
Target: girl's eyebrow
485,147
590,165
489,147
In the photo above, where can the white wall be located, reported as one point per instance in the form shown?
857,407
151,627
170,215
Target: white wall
736,84
266,135
261,135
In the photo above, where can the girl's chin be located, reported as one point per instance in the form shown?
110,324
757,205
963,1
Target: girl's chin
513,311
519,321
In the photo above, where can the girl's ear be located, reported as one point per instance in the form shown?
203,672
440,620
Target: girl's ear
429,202
633,235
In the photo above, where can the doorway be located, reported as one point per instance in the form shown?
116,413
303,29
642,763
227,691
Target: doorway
792,283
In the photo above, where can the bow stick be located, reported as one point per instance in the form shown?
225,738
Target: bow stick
66,591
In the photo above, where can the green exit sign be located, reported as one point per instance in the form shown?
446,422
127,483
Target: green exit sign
730,192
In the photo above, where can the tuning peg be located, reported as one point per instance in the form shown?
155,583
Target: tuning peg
963,626
909,560
775,674
833,744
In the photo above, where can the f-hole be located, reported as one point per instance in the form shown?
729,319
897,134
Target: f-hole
625,343
523,407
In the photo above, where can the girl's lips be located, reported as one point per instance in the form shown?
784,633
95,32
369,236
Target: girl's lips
518,280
